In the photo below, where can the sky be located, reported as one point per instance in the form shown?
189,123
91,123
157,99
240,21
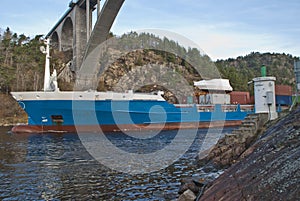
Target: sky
222,29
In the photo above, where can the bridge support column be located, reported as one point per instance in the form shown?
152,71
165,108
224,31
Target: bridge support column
74,29
88,20
80,34
98,8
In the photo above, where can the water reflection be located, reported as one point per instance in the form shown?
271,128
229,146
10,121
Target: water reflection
57,167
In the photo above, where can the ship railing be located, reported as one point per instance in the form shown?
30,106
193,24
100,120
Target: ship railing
224,108
247,108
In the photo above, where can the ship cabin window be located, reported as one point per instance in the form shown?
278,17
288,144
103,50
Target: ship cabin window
57,119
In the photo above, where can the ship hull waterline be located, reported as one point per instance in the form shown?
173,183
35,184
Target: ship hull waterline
118,128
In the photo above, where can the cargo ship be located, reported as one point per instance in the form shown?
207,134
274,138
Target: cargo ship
52,110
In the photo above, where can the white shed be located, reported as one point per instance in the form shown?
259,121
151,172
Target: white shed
216,91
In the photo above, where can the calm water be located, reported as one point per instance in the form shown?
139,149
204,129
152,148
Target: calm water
58,167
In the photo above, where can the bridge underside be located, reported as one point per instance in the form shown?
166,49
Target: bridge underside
72,34
82,4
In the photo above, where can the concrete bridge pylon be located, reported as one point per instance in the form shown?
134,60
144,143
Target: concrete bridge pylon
73,32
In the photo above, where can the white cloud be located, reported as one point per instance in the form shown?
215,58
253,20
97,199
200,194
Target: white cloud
219,43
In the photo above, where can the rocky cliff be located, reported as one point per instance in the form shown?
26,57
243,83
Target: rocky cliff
147,71
271,169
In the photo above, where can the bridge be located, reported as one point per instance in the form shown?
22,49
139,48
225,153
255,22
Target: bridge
73,32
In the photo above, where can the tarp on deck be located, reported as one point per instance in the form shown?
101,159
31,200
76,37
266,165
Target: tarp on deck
214,84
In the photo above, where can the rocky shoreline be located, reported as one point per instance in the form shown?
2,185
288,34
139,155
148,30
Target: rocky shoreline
262,164
10,111
12,121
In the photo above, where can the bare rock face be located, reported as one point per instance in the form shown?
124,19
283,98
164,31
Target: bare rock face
268,170
66,75
145,71
188,195
193,184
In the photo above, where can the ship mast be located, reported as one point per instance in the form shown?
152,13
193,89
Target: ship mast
47,66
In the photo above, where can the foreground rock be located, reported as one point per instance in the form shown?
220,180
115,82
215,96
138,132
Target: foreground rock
10,111
268,170
228,149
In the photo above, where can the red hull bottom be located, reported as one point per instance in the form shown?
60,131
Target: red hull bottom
113,128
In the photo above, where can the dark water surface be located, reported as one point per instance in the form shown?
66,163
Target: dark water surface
58,167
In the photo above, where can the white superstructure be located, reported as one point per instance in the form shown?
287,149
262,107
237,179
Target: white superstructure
85,95
215,91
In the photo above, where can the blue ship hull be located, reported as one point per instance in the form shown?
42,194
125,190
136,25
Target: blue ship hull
112,115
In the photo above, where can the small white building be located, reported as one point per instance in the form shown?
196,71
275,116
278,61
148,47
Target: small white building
264,96
214,91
